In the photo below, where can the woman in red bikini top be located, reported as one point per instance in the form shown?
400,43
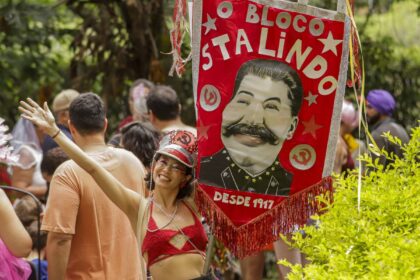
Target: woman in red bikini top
169,231
174,241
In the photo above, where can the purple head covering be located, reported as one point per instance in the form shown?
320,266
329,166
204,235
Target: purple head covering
382,101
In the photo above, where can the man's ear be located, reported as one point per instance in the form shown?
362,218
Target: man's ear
105,124
71,128
292,128
152,116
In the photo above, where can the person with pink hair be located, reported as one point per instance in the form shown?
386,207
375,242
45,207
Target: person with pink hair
348,147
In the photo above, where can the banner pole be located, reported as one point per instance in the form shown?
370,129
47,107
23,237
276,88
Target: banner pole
341,6
209,254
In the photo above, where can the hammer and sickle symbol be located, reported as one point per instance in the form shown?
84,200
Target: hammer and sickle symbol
209,97
304,157
184,139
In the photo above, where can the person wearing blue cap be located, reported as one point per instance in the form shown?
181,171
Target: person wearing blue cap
380,105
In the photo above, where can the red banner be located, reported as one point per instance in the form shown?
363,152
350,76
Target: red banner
269,81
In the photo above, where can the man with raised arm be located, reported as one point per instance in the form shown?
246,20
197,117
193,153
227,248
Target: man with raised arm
89,237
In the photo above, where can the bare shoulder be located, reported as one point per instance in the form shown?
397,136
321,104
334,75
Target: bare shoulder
127,155
189,201
131,161
3,195
133,166
5,205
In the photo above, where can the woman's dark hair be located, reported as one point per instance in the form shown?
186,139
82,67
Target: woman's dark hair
184,192
52,160
142,140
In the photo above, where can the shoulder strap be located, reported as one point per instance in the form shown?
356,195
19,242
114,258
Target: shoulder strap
191,205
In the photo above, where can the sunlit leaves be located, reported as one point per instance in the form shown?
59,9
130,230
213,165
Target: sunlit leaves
382,240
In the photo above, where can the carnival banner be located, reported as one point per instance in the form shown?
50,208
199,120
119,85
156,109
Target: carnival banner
269,80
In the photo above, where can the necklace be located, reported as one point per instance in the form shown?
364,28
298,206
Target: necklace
171,217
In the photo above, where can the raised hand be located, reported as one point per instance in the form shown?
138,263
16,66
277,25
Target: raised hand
43,118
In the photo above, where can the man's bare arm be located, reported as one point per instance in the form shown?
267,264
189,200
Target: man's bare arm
58,251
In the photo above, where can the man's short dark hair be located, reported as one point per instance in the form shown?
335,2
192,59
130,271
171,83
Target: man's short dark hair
163,102
53,159
277,71
87,113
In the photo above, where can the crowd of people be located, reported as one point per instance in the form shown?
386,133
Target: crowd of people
124,208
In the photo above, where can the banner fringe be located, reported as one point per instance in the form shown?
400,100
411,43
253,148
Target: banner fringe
254,236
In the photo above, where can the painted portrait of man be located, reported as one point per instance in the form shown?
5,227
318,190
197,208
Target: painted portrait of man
260,117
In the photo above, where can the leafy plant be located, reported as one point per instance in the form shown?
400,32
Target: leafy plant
34,40
98,46
392,57
381,240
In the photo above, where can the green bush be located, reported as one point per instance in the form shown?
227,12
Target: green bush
382,240
391,50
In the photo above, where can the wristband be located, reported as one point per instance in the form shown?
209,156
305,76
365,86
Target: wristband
56,134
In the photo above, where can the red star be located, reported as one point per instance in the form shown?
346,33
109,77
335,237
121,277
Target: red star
202,130
311,127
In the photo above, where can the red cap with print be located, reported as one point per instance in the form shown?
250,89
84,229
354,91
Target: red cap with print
180,145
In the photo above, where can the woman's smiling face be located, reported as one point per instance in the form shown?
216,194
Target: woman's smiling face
168,172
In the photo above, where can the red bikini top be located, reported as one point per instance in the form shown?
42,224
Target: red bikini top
157,245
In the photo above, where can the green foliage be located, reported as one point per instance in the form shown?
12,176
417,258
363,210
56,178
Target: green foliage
118,42
391,50
102,46
390,37
382,240
34,56
99,46
390,25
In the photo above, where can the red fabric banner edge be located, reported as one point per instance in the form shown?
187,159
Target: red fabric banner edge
252,237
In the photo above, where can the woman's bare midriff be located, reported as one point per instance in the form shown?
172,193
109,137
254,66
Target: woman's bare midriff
179,267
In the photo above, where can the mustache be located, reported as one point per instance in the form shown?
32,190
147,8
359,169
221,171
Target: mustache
260,130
